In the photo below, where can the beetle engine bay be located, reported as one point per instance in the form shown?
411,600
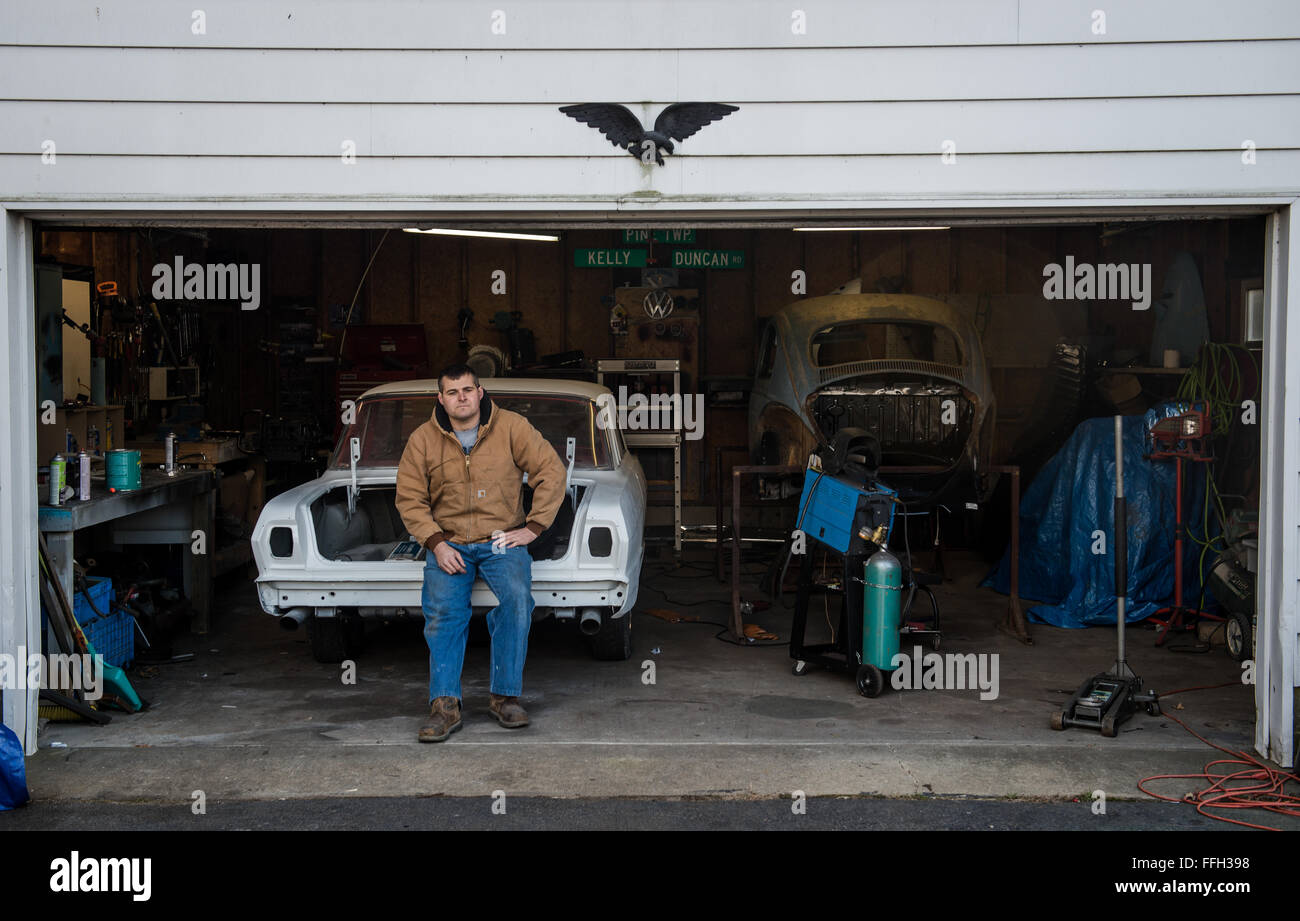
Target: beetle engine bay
916,422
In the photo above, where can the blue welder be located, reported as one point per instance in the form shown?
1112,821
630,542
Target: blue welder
846,508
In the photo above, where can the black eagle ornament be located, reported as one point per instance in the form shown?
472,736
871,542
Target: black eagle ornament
624,130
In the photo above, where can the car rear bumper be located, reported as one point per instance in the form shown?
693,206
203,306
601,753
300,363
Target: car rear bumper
279,595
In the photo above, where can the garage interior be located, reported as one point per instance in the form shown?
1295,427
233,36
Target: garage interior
254,395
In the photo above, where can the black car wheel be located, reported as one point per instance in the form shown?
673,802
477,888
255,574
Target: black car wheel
613,642
336,638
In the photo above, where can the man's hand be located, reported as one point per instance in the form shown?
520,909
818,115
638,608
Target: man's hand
519,537
448,558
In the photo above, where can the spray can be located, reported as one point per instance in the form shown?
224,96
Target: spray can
108,441
171,454
92,440
83,476
58,476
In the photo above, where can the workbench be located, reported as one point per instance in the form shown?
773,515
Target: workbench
164,510
226,455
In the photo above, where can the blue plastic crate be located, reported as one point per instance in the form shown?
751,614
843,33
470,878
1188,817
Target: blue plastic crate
112,634
113,637
101,593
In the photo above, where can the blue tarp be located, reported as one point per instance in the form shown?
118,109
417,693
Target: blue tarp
13,776
1074,495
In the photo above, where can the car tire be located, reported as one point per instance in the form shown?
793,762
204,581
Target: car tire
334,639
613,642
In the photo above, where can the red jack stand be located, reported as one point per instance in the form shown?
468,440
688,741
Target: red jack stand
1182,438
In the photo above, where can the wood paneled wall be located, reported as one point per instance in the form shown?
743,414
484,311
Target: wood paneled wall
427,279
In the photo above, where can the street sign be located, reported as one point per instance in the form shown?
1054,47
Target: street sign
708,258
676,235
609,258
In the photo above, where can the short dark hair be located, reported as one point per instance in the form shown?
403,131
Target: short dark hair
452,372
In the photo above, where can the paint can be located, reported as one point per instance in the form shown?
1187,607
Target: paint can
123,470
58,478
83,476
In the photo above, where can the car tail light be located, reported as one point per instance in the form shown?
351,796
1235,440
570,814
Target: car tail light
281,542
600,541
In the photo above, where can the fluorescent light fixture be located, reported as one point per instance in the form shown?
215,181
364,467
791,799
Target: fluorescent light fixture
492,234
854,229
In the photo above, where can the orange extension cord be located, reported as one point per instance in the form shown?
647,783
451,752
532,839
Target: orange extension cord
1254,786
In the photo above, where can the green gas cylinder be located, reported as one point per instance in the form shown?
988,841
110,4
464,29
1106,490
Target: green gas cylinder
882,609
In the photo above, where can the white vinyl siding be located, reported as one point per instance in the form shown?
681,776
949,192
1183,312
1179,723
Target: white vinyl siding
853,112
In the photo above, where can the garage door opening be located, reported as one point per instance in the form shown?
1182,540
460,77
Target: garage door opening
783,339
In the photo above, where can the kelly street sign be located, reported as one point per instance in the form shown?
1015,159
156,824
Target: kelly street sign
609,258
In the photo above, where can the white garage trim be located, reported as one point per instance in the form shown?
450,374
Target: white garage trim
1279,508
19,609
1277,655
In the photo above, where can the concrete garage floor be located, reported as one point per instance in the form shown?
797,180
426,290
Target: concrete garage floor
254,717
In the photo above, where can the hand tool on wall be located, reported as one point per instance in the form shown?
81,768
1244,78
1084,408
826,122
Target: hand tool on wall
167,341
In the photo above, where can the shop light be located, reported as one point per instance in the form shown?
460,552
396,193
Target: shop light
855,229
492,234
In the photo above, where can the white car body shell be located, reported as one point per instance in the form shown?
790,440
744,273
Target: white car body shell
613,498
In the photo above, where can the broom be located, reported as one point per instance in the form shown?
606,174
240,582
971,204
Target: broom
116,683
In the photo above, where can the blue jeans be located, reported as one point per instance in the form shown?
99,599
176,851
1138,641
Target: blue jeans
445,600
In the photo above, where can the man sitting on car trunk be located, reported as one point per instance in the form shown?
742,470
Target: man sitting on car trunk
460,494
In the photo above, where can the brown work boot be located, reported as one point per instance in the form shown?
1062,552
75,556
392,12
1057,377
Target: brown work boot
508,712
444,719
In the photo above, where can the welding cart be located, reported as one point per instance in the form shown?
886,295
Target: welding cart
847,510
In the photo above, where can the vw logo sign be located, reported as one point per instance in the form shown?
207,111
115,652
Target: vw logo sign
658,303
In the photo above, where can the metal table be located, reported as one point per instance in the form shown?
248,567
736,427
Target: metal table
164,510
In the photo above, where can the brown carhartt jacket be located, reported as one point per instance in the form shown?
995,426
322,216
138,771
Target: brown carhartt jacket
445,494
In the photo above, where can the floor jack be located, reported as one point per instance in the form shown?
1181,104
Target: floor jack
1182,438
1105,701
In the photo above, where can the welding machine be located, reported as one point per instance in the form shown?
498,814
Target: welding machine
836,512
847,509
843,504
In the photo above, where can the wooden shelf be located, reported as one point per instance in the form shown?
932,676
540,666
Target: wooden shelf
79,419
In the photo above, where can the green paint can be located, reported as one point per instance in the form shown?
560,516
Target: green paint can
123,470
58,479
